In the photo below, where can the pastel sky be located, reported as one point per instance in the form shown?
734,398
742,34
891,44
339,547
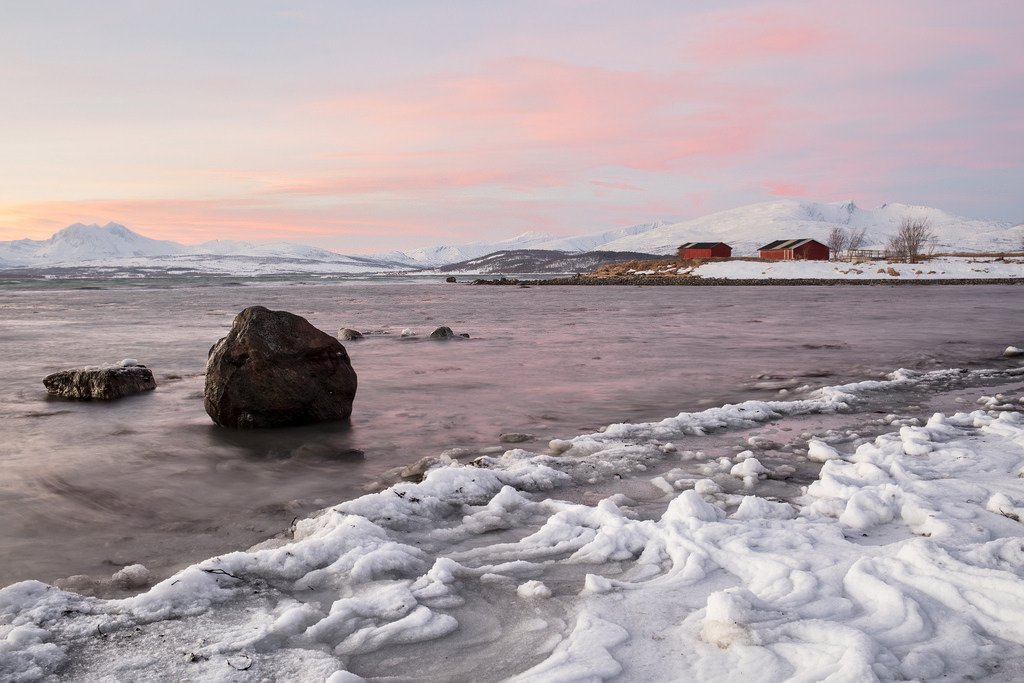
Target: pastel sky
366,126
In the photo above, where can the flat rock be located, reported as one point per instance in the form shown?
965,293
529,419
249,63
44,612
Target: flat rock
274,369
101,382
514,437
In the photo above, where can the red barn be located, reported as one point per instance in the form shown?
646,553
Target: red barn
794,250
705,250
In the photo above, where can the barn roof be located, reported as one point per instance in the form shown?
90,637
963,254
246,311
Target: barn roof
787,244
700,245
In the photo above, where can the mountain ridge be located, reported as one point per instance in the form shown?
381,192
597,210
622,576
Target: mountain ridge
745,228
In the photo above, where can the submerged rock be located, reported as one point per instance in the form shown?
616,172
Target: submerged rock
514,437
107,382
348,334
442,333
274,369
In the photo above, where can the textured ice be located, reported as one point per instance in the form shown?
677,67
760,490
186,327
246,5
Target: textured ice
904,559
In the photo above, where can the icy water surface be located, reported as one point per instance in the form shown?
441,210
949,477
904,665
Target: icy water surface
88,487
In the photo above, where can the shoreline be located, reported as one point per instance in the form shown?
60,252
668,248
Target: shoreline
662,281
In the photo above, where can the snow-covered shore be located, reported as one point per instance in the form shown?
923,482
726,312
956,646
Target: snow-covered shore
903,559
939,268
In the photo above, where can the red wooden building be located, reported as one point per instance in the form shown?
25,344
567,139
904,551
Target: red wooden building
705,250
794,250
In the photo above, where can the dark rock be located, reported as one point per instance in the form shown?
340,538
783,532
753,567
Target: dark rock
442,333
464,335
274,369
347,334
450,278
108,382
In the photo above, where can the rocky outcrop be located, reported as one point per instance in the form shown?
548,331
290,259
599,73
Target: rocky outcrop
107,382
274,369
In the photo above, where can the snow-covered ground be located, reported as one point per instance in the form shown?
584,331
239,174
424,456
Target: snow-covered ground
902,559
943,267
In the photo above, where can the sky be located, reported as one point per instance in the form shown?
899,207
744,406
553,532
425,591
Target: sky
370,126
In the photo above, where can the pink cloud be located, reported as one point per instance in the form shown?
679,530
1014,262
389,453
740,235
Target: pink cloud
524,124
784,189
616,186
745,35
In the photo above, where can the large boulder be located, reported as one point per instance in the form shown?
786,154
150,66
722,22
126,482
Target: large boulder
274,369
103,382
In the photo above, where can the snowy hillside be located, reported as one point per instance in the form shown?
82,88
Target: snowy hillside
596,241
750,227
115,248
747,228
445,254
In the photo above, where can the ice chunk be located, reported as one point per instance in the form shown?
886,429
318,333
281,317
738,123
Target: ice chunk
819,451
533,589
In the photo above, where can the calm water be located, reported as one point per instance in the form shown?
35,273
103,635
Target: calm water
87,487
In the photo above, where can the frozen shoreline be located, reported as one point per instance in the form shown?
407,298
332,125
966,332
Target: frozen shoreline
902,559
681,281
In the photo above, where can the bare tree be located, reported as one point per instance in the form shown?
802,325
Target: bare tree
913,237
838,240
857,239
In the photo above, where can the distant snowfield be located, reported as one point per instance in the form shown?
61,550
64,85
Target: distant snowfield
967,268
903,559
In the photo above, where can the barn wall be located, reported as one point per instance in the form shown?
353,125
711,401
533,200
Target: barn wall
812,251
717,251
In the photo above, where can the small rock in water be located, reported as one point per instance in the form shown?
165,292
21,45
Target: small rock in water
274,369
407,332
450,278
464,335
514,437
1012,351
348,334
442,333
132,576
108,382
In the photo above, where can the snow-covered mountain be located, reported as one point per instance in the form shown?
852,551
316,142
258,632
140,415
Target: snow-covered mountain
748,227
115,247
87,242
431,257
445,254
